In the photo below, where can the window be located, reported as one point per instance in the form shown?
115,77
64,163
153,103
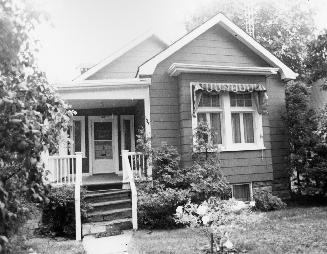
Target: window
242,192
77,134
210,113
234,118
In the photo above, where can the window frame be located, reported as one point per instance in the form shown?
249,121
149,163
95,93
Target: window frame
72,131
226,111
246,183
132,133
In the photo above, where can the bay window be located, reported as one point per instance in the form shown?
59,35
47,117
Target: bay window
234,114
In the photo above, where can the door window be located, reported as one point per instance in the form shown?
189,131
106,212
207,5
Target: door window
103,140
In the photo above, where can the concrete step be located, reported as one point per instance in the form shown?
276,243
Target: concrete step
111,205
105,195
110,215
106,226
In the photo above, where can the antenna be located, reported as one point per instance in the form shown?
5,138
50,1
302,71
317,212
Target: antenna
249,17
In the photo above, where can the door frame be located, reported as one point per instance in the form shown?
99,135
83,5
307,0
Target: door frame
114,119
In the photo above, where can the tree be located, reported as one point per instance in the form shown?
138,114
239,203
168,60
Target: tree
283,27
31,116
316,61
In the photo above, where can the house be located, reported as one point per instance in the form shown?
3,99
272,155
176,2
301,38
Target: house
216,73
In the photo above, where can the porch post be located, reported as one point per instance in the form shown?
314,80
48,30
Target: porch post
78,182
147,127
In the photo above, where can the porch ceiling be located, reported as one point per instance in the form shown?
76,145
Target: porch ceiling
89,104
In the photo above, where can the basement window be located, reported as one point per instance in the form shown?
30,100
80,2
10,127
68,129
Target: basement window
242,192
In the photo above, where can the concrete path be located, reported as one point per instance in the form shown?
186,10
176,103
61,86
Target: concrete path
117,244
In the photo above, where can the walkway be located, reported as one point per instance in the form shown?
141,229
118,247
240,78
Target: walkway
117,244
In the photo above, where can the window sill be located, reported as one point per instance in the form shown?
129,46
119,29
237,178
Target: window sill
242,147
235,148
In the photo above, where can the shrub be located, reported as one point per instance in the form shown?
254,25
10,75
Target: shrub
156,207
265,201
58,217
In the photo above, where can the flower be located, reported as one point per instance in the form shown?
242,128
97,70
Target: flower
206,219
202,210
179,210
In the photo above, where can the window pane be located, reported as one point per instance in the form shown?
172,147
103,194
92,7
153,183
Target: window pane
242,192
202,117
77,136
127,134
248,128
236,129
216,127
209,100
240,100
205,100
102,131
103,150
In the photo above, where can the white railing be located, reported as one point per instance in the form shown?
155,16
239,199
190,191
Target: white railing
129,183
138,164
67,170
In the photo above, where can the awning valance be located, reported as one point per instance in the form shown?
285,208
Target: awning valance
259,90
228,87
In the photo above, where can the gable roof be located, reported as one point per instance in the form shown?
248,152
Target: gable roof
149,66
116,55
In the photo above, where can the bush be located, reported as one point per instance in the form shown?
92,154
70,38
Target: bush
156,207
265,201
58,217
174,186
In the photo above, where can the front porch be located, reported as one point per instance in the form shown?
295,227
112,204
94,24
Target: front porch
109,115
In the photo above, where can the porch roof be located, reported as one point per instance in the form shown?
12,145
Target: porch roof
103,83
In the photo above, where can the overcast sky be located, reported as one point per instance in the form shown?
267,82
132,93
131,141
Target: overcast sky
86,31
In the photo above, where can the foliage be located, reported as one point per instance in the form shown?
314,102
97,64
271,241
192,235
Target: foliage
174,185
156,206
31,115
203,136
284,28
58,217
307,133
316,64
265,201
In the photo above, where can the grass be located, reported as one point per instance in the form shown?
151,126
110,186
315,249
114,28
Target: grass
293,230
53,246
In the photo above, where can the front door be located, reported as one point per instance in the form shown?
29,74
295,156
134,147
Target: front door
103,144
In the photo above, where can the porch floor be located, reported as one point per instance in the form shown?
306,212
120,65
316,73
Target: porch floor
99,179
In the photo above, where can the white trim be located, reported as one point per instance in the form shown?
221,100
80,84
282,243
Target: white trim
122,136
177,68
250,186
116,55
103,83
82,120
148,67
91,120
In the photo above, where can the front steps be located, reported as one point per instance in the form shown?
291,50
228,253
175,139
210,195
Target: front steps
112,211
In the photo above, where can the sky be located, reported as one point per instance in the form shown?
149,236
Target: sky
83,32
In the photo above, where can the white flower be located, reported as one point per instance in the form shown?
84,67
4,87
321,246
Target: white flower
252,204
179,210
202,210
206,219
238,206
228,245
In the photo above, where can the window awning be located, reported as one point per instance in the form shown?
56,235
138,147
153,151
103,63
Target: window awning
259,90
228,87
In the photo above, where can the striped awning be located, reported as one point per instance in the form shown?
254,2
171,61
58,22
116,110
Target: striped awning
229,87
259,90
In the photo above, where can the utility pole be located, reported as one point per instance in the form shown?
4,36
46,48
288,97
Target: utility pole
249,17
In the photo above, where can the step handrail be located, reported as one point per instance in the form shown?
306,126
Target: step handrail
128,177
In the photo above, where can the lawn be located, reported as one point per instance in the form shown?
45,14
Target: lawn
293,230
53,246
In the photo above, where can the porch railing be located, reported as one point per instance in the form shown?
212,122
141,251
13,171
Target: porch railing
129,183
138,164
67,170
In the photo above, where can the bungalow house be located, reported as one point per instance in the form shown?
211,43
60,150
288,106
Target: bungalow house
216,73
